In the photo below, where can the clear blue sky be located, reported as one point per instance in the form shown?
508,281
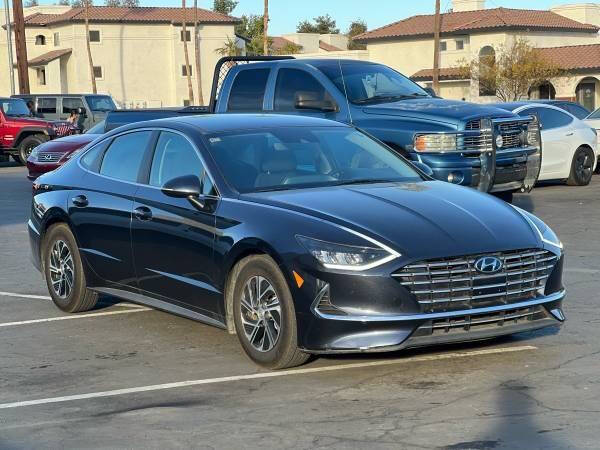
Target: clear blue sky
285,14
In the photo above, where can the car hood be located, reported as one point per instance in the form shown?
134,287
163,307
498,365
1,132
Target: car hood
72,142
420,220
435,108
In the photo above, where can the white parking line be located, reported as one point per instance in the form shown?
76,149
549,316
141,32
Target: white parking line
46,297
282,373
74,316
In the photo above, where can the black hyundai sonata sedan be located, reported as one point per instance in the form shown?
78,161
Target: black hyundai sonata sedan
300,235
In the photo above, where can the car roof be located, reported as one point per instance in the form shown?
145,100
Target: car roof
56,95
215,123
315,62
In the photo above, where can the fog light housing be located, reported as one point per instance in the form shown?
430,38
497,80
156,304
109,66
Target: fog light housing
455,177
499,141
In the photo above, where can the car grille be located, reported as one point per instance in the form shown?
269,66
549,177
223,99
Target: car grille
454,283
462,324
49,157
512,134
473,125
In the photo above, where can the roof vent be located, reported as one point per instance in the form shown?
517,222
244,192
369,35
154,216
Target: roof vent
467,5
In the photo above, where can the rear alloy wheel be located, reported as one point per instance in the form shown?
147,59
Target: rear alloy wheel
581,167
28,144
264,314
64,272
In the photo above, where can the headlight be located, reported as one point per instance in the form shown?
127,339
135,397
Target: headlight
435,143
544,231
34,152
533,132
347,257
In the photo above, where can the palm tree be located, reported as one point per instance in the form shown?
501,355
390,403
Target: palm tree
265,28
197,53
230,48
187,57
86,6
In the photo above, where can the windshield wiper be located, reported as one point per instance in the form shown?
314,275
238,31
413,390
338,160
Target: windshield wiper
365,181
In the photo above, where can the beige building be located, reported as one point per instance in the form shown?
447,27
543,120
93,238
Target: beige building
137,52
567,34
310,43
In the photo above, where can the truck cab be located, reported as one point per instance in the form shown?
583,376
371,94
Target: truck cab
487,148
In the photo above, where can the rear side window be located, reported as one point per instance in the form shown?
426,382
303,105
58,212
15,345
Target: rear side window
123,158
549,118
578,111
69,104
92,158
248,90
47,105
293,83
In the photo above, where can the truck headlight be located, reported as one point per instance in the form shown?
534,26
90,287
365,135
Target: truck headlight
533,133
544,231
347,257
435,143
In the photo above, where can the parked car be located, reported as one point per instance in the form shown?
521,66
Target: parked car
570,145
301,235
577,110
20,132
94,107
51,155
458,140
593,120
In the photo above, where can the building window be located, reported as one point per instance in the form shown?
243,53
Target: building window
94,35
185,72
41,76
98,72
56,40
188,35
443,46
40,39
460,44
186,102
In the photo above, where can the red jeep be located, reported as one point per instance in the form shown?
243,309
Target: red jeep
20,132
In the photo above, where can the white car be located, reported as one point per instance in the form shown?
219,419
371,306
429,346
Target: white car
593,120
569,145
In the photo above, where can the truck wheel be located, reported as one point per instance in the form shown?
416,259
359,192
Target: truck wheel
581,167
28,144
63,271
264,314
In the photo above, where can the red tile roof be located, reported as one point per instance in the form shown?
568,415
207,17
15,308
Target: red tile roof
574,57
127,15
446,73
279,43
44,59
480,20
328,47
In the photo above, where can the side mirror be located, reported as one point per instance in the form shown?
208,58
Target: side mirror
187,186
82,112
423,168
431,92
308,100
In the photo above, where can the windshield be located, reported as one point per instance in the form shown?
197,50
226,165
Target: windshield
300,157
97,129
100,103
372,83
594,115
15,107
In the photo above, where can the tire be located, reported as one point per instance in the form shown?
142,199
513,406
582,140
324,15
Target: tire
28,144
507,196
255,326
72,297
581,167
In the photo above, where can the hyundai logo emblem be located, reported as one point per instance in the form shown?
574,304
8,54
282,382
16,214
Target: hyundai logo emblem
47,156
488,264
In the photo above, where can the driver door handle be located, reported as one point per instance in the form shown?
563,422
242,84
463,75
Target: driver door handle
569,134
80,201
142,213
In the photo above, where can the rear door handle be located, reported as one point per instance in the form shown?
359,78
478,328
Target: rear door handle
80,201
142,213
569,134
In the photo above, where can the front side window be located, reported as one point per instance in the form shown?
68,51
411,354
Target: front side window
70,104
294,84
291,158
371,83
549,118
248,90
174,157
47,105
14,107
124,157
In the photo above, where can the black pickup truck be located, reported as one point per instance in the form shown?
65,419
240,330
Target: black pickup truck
487,148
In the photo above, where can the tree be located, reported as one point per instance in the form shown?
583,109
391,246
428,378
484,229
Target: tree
290,48
188,68
266,28
197,53
86,5
511,71
31,3
224,6
322,25
230,48
251,27
63,2
356,27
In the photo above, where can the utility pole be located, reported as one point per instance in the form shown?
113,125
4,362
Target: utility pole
9,47
436,48
21,47
266,28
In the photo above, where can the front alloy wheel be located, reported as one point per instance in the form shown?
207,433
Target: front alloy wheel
261,313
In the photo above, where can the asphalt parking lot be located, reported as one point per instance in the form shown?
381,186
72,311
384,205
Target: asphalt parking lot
125,376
